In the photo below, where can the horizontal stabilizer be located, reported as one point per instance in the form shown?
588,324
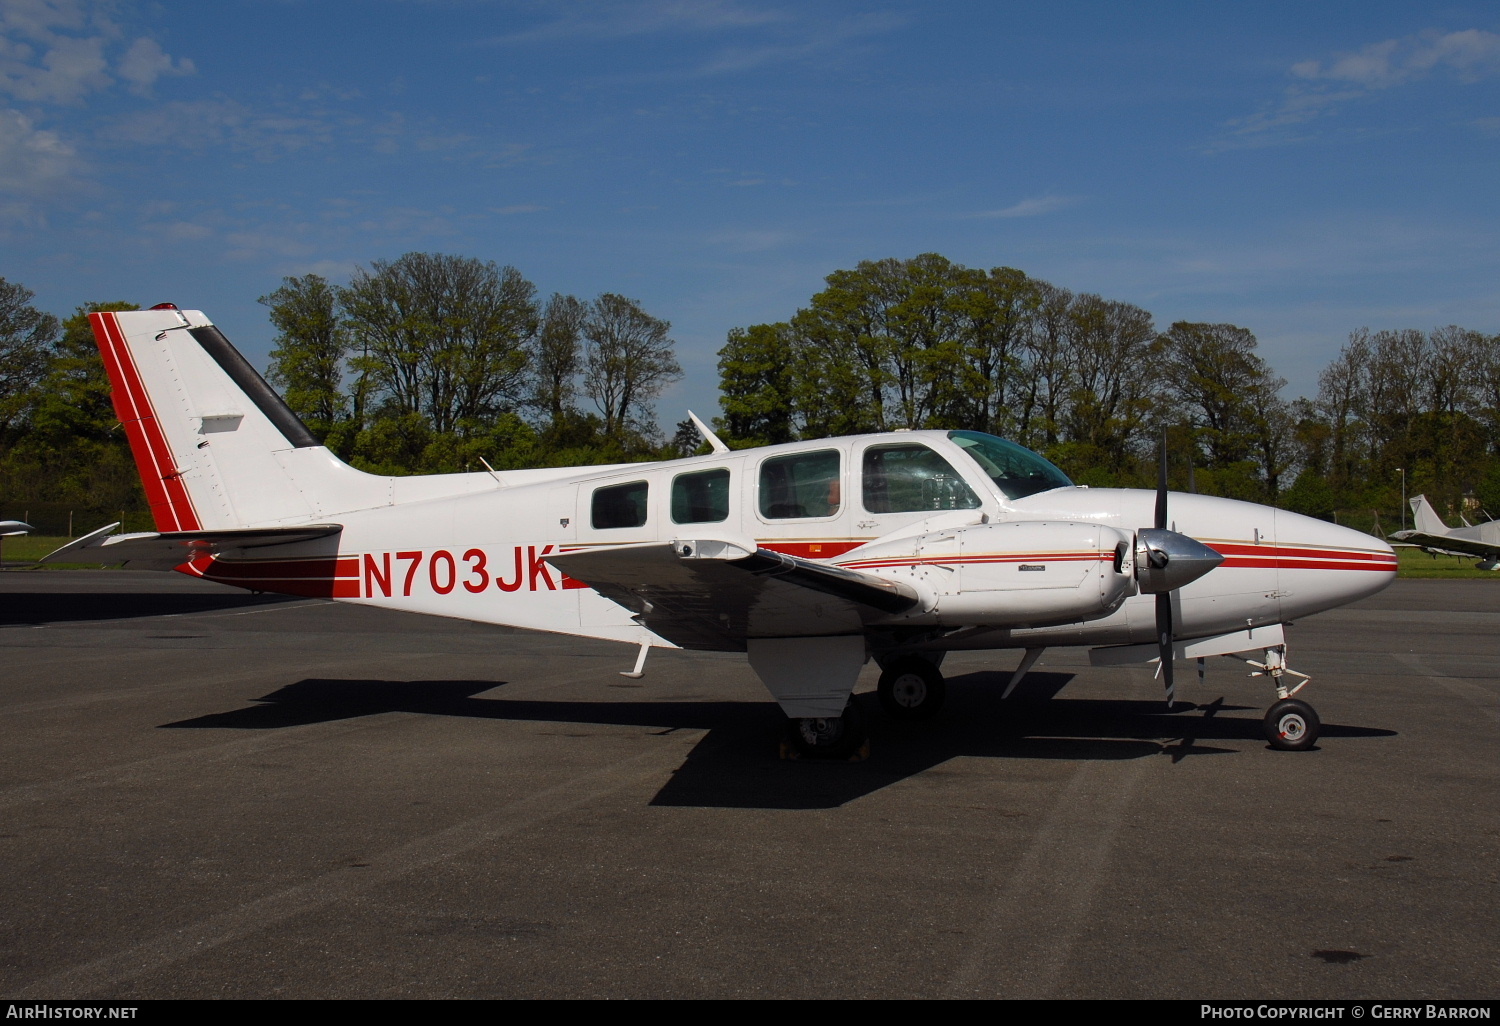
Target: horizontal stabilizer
12,527
167,549
713,594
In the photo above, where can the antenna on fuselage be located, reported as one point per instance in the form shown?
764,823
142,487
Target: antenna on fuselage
708,435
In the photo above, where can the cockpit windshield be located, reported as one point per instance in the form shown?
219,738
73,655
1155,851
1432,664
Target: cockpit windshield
1016,471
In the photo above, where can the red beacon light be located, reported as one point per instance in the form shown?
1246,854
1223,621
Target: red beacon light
165,306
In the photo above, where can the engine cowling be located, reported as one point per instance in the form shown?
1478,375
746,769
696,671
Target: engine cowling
1017,574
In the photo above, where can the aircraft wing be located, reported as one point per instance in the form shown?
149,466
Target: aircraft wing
715,595
1449,543
167,549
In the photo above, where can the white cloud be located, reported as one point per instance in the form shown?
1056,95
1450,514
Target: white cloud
809,41
1471,53
1323,87
1036,206
645,18
787,36
33,162
750,240
64,72
203,124
145,62
54,51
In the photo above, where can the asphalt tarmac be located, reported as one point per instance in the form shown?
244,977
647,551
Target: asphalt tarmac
205,793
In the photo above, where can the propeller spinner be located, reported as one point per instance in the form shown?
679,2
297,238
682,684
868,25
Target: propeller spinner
1165,561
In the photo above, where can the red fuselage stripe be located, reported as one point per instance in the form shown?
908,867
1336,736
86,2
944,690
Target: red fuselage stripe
171,507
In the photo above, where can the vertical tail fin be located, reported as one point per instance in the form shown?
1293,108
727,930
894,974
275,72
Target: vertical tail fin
1426,518
215,445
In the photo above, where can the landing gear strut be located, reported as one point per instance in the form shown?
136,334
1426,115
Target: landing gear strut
1290,724
831,737
911,688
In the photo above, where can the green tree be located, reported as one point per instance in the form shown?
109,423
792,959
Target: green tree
1047,371
998,310
757,383
27,336
1108,345
311,345
558,357
443,337
73,450
1212,370
628,361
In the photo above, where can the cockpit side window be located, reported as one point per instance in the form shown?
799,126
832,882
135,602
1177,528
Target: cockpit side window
804,484
908,478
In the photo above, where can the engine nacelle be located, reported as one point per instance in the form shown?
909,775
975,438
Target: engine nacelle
1025,574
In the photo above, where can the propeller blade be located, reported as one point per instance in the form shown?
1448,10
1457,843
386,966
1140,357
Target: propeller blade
1164,641
1161,485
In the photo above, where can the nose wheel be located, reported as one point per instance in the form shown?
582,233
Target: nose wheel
1291,725
912,688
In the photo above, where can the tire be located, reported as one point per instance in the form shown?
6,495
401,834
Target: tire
911,688
1291,726
830,738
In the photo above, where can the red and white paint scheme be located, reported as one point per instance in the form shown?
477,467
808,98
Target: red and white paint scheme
811,557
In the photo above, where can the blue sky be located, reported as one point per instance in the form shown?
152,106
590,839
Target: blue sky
1300,169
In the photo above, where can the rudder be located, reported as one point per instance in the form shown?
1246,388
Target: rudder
210,437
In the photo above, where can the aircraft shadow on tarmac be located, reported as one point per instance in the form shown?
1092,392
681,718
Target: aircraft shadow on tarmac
67,607
736,765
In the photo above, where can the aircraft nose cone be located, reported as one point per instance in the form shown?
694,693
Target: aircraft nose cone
1324,565
1166,560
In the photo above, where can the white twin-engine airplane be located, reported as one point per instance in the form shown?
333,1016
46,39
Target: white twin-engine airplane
811,557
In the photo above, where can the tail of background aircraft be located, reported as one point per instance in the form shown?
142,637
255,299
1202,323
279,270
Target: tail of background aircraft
215,445
1426,518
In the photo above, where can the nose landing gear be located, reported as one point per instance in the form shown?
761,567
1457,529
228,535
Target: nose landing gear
1290,724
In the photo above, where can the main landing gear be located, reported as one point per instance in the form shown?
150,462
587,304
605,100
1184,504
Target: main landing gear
912,688
1290,724
831,737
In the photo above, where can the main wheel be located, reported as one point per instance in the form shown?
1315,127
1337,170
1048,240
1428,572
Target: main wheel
912,689
833,737
1291,725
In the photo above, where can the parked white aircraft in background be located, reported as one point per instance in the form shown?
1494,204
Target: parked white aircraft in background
1481,541
9,529
812,557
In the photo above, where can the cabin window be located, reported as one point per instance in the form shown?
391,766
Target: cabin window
701,498
911,478
805,484
620,505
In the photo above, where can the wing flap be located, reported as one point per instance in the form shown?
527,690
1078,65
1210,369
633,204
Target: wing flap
167,549
715,595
